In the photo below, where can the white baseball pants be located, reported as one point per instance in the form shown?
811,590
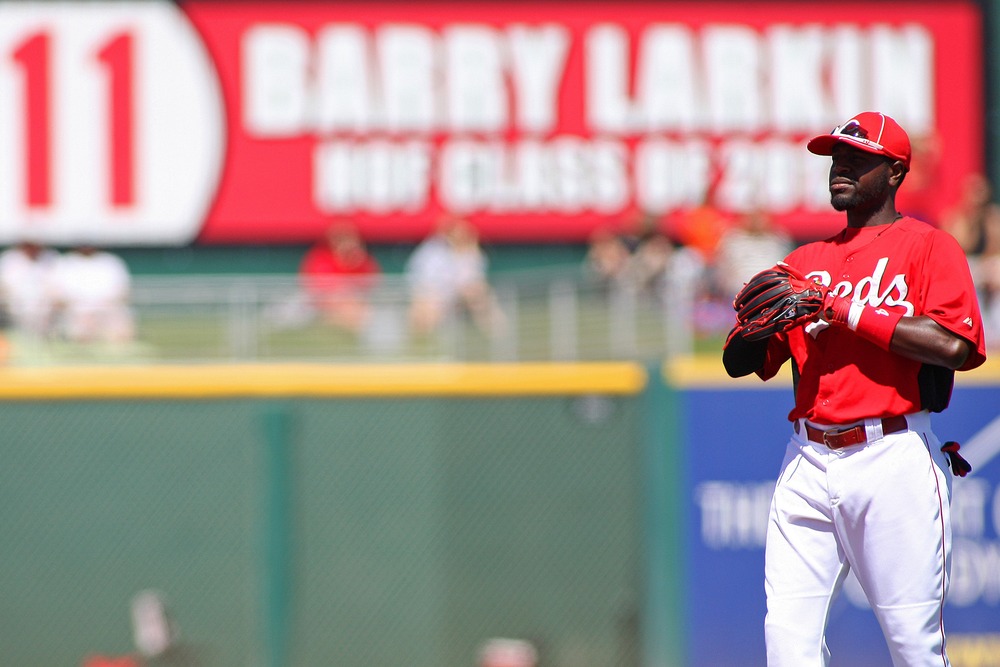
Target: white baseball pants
880,508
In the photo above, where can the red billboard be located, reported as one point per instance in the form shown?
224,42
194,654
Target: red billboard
260,122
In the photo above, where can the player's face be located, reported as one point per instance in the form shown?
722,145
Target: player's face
858,179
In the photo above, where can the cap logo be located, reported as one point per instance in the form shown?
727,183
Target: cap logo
852,129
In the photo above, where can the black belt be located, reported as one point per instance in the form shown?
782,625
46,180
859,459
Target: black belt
855,435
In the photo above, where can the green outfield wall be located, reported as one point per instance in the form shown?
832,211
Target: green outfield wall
340,515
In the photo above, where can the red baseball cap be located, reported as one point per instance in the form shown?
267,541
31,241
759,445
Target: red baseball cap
870,131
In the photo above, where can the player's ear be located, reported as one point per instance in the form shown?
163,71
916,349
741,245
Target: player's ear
897,172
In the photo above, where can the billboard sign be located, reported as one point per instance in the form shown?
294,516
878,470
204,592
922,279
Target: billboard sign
247,122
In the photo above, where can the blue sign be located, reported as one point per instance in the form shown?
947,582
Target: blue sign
734,442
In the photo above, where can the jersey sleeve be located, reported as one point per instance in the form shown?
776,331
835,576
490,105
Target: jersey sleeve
778,352
949,296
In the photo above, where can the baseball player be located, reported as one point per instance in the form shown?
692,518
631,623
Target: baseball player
865,484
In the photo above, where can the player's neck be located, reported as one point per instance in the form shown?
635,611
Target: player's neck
884,215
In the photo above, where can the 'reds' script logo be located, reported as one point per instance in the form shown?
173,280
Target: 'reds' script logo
875,290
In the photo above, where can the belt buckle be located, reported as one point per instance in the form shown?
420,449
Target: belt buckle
831,438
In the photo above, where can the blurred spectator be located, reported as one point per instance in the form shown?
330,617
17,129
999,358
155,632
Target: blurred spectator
700,229
26,272
651,260
338,274
975,223
607,260
154,631
751,245
502,652
447,275
988,283
646,261
921,196
92,292
658,264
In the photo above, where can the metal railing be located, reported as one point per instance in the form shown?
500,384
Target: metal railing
553,314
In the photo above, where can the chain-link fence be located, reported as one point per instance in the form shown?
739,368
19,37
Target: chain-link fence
351,532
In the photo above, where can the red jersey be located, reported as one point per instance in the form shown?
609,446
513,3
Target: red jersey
907,266
324,271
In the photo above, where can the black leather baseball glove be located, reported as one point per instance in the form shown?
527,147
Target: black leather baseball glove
775,300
